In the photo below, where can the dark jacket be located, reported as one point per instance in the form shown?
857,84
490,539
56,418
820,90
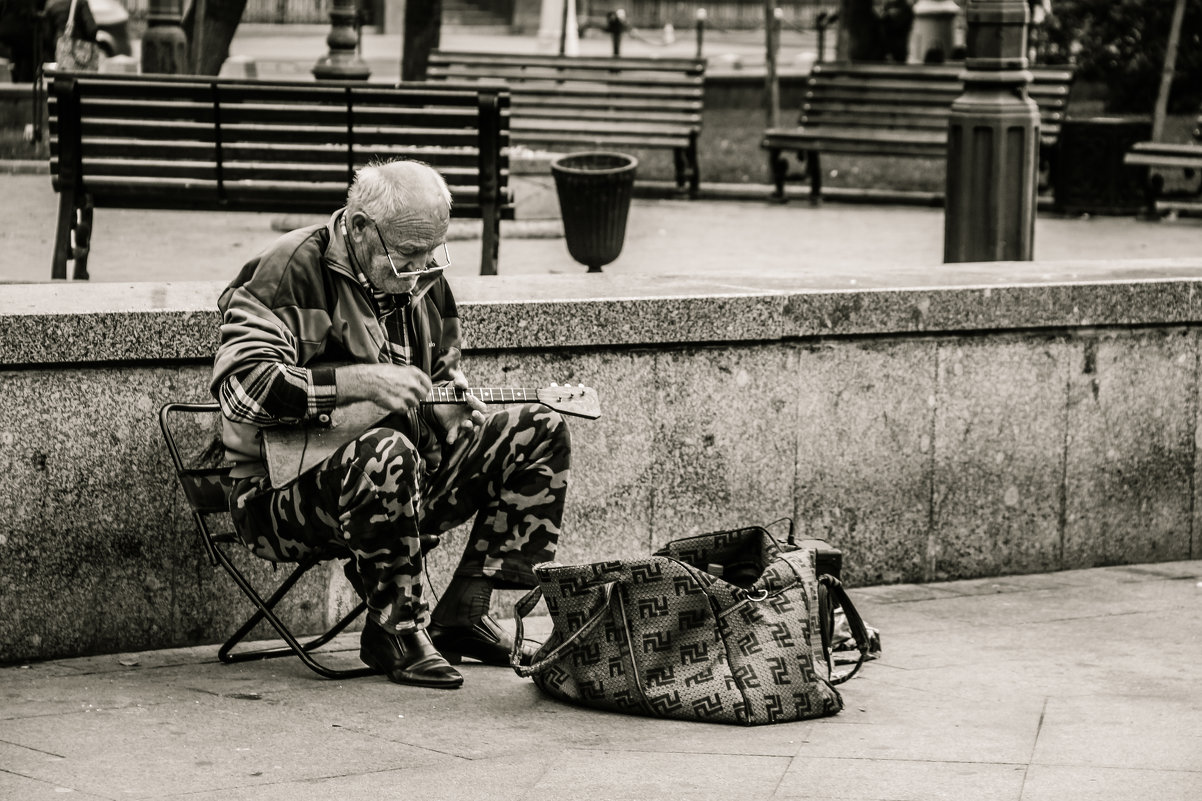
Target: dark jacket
299,303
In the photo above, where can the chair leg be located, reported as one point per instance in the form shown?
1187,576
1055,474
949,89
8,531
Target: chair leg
265,611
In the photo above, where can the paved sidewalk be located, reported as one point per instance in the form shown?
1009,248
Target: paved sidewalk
837,246
1071,685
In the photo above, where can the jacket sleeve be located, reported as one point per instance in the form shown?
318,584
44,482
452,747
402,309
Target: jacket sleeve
256,375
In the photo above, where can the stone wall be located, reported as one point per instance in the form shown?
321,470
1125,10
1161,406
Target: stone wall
929,433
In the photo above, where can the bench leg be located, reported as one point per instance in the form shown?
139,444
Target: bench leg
1152,189
491,236
62,234
83,239
814,168
694,172
779,169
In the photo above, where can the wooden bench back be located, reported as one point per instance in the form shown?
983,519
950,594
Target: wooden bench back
169,142
913,97
578,101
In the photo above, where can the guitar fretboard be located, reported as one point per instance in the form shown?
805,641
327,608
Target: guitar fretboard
484,394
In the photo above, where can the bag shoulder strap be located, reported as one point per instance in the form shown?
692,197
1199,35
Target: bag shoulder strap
839,597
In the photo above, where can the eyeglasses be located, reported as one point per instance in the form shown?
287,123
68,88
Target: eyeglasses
439,264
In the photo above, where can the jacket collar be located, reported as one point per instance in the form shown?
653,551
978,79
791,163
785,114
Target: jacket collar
338,257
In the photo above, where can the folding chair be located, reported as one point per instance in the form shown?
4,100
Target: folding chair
207,490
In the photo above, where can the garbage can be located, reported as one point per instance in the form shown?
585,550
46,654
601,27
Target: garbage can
1090,177
594,191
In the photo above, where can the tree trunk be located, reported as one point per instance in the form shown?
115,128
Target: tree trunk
423,24
859,32
220,23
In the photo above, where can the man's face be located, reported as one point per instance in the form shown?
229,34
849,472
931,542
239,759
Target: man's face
405,246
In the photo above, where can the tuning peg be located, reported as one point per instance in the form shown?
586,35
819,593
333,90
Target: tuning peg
580,385
554,384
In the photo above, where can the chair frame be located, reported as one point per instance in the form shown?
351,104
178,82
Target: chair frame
264,608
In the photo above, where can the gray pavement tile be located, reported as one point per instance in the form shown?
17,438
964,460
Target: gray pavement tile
899,593
1123,731
901,723
900,780
16,786
508,778
641,776
687,737
1044,605
203,745
1056,783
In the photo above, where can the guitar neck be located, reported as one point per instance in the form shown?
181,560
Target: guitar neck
483,394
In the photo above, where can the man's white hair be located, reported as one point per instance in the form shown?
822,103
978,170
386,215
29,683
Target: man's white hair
384,190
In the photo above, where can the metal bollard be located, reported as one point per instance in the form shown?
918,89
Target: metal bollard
164,45
992,142
342,62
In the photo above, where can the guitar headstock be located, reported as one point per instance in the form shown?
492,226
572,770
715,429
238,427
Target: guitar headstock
578,401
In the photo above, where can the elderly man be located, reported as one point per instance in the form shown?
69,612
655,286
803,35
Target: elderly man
354,310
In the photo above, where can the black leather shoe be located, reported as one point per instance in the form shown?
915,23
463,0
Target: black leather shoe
408,658
485,641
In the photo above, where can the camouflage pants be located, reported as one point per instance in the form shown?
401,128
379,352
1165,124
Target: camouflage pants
371,499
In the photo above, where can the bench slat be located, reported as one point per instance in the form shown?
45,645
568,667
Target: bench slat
150,193
199,132
594,138
261,113
604,63
624,81
234,170
570,103
129,149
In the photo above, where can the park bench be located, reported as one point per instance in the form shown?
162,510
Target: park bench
1163,156
892,110
593,103
214,144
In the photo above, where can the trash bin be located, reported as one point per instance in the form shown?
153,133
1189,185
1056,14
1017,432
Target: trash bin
594,191
1090,177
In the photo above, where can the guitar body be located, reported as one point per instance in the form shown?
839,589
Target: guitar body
294,450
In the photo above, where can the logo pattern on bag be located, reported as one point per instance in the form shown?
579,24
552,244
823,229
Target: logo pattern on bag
671,640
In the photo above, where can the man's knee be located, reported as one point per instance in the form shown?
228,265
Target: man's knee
382,461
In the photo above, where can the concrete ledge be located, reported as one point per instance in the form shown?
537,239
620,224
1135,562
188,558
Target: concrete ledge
63,323
967,427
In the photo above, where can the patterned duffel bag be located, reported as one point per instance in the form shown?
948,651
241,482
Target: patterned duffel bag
724,627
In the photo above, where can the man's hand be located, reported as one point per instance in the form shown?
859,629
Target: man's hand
459,418
396,388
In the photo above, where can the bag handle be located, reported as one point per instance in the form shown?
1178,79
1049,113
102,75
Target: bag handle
854,621
525,606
